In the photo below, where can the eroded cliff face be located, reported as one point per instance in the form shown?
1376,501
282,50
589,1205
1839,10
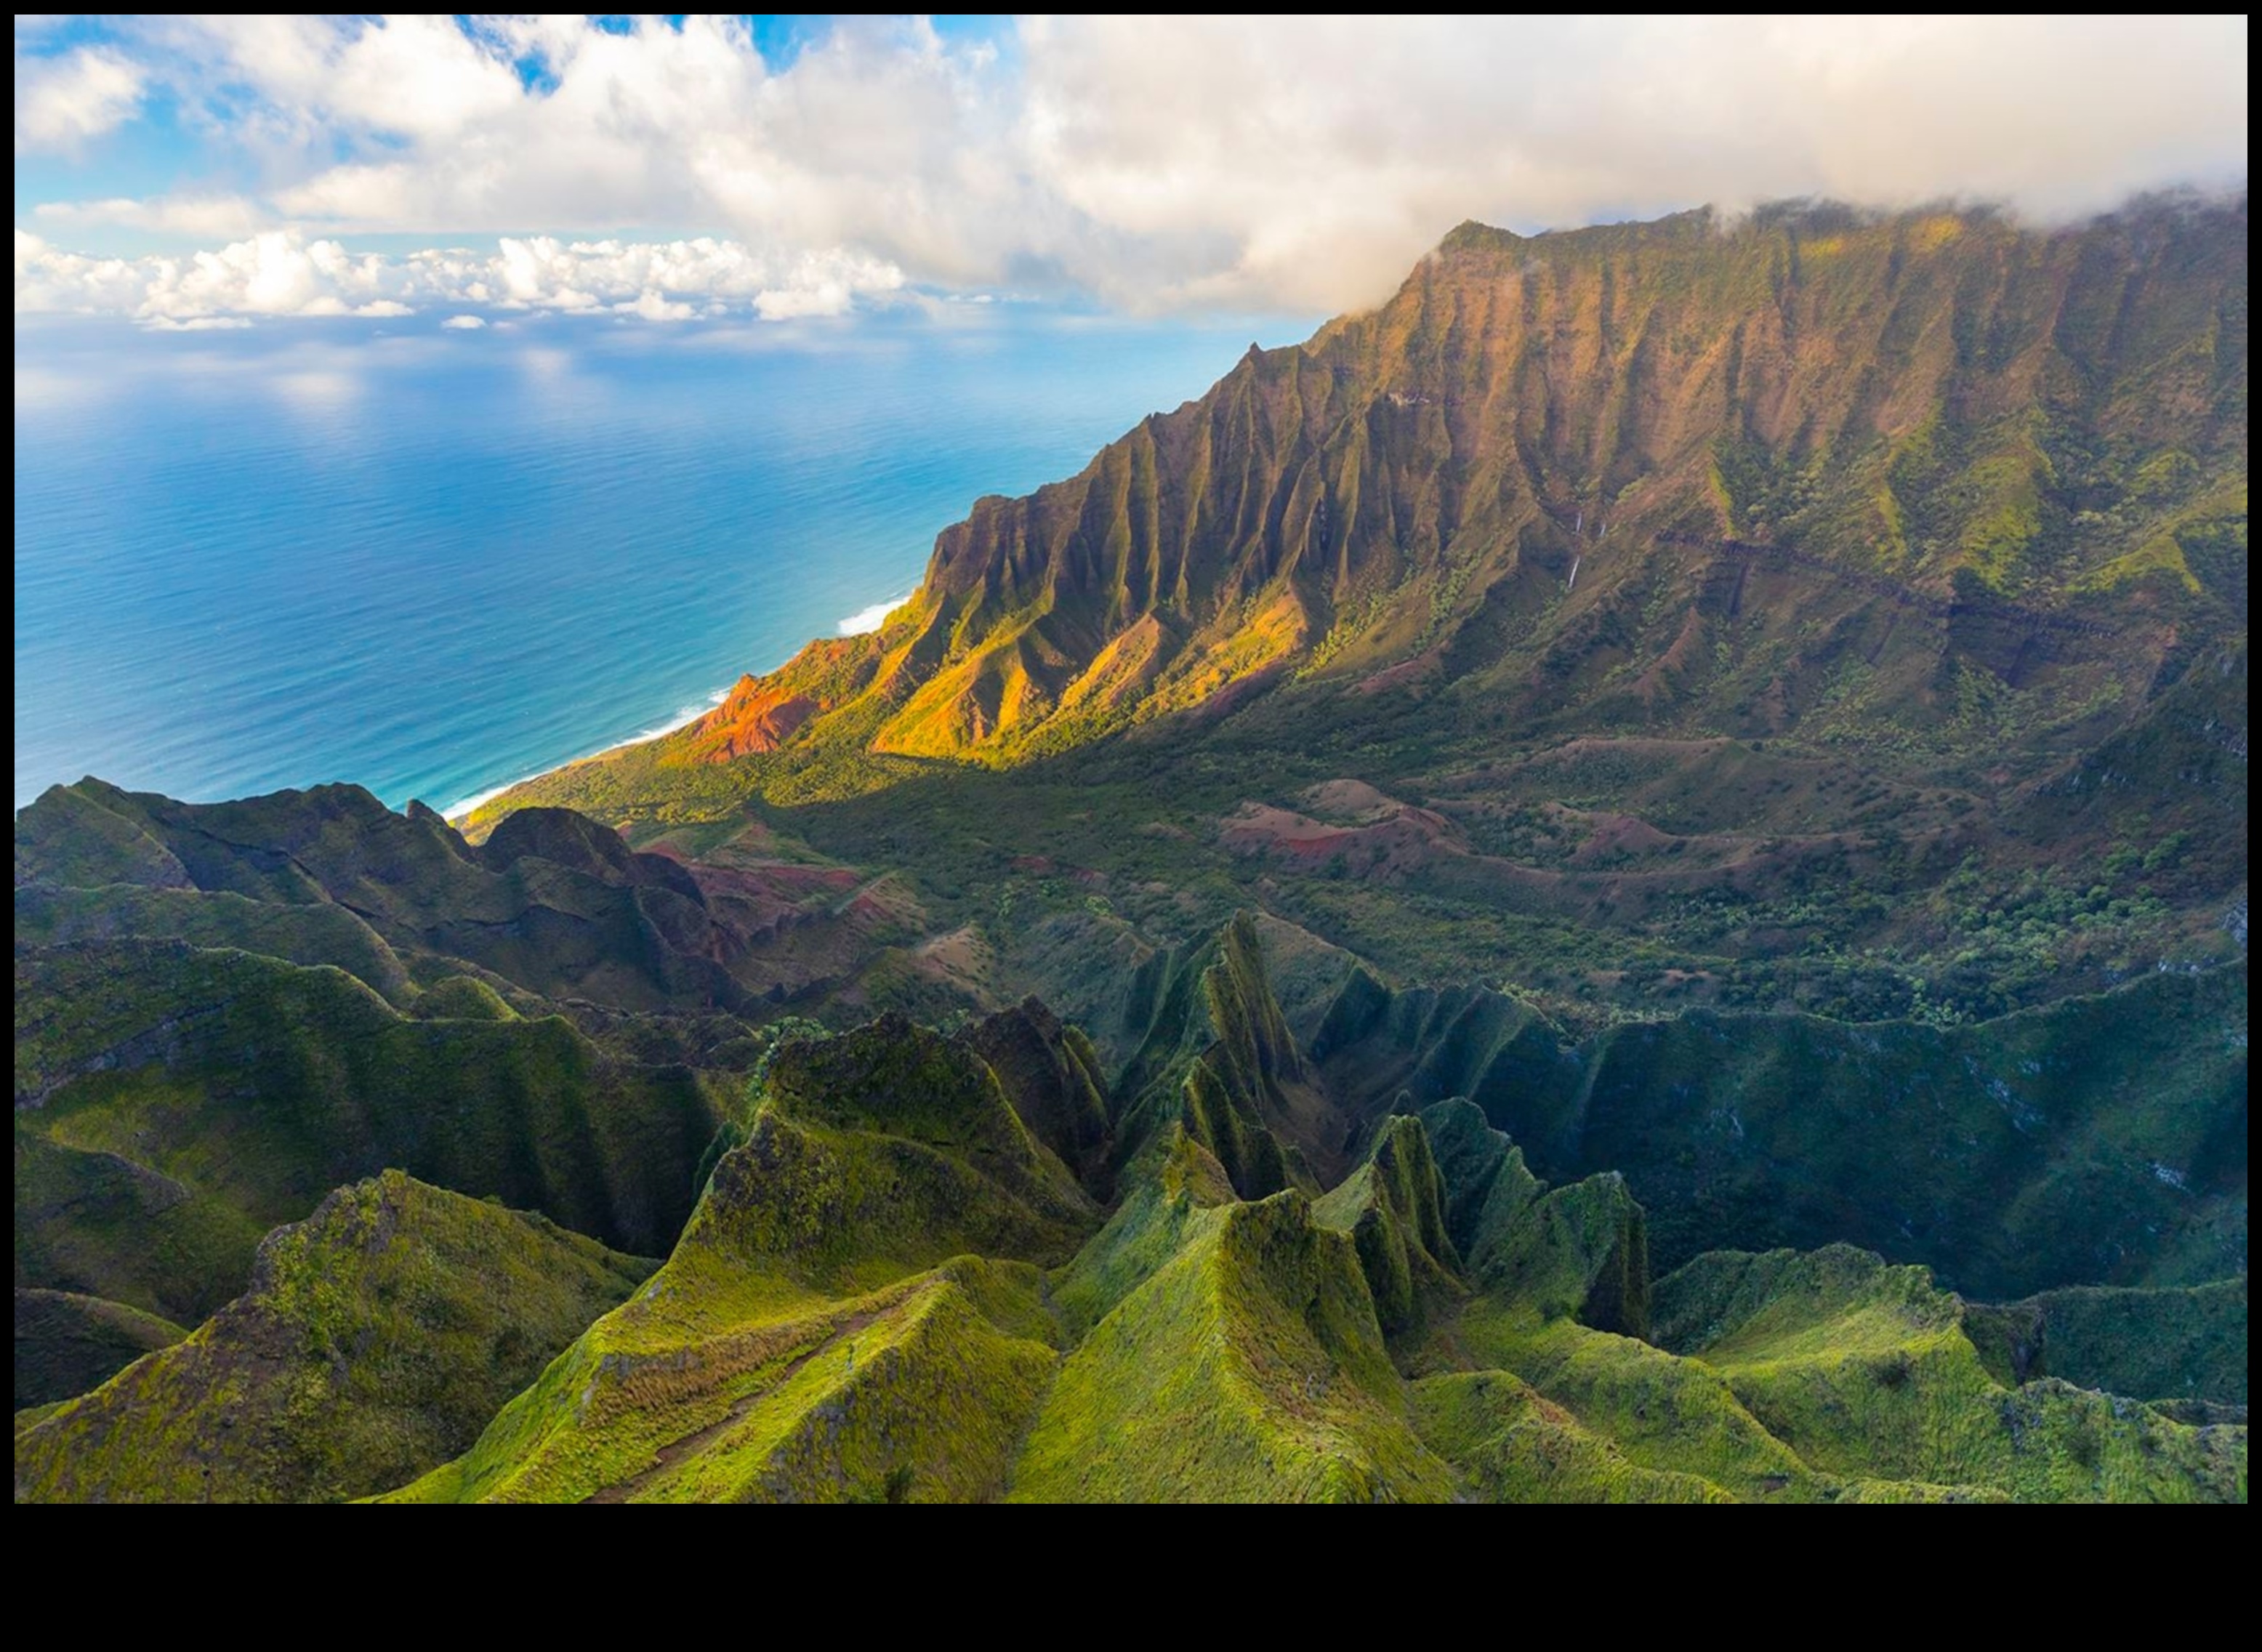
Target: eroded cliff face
1561,455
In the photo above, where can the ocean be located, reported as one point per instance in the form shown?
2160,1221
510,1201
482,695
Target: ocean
438,561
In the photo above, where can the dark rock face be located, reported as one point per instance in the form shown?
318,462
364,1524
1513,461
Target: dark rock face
1051,1076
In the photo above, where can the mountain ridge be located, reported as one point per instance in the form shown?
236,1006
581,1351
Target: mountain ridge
1621,880
1836,610
1925,397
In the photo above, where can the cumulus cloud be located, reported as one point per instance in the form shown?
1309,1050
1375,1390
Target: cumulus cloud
63,101
464,323
282,273
1184,161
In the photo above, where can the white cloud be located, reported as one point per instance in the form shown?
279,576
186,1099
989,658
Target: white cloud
281,273
464,323
1199,159
652,307
1250,163
63,101
199,217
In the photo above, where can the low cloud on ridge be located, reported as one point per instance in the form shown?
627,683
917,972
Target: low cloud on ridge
1150,163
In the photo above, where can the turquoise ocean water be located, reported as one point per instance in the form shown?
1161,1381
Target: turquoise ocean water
436,563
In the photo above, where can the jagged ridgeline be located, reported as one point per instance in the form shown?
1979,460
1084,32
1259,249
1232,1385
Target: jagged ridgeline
1818,608
1623,879
1669,475
927,1266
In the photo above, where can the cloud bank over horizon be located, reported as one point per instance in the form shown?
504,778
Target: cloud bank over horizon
673,170
281,273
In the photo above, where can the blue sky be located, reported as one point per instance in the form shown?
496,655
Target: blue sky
213,171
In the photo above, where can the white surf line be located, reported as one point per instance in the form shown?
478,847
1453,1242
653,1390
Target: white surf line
873,618
684,716
864,619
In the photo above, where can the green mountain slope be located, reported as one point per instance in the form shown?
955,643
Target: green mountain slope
811,1340
1394,1207
2175,1344
1249,1367
1823,1377
376,1339
1865,1368
555,905
826,1328
1504,906
173,1103
1828,610
2096,1140
1944,405
67,1344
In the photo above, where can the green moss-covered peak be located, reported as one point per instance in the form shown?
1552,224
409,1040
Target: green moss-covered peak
176,1102
1248,1367
1052,1077
462,998
1394,1207
376,1339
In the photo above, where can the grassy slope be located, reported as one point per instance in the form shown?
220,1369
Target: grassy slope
1513,1445
1823,1376
1865,1370
183,1101
2097,1139
821,1330
1204,1347
376,1339
1249,1367
67,1344
2187,1343
1845,1380
1394,1207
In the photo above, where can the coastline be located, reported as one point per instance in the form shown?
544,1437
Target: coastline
685,717
862,620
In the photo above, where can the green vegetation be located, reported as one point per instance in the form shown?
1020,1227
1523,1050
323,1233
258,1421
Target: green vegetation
891,1290
1202,1346
174,1103
376,1339
1820,1377
1249,1367
1513,1446
1393,1206
67,1344
1054,1081
1259,984
1864,1368
2093,1140
1903,676
824,1330
2186,1344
